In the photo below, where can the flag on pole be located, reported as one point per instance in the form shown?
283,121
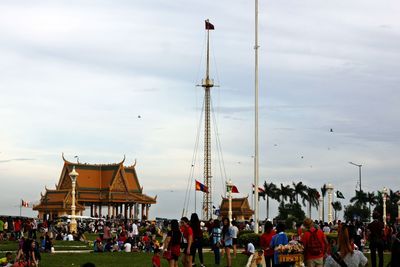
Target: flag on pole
234,189
260,189
209,26
201,187
339,194
24,204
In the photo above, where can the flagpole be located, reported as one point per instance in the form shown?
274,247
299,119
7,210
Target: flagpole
195,199
256,159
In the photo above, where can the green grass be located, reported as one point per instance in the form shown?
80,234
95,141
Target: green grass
137,259
121,259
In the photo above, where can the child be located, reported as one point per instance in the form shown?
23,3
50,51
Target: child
6,261
156,261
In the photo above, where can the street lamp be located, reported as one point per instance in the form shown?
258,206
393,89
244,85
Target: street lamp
359,170
384,197
72,226
229,186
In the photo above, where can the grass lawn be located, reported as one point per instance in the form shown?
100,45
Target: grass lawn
138,259
121,259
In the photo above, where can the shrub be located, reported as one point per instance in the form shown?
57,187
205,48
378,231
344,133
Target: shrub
245,238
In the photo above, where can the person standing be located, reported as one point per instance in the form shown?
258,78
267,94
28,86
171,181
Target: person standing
227,240
265,241
216,243
235,231
375,236
197,239
187,234
280,238
173,243
315,244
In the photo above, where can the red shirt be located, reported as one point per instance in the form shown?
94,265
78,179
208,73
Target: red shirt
265,240
186,231
305,239
156,261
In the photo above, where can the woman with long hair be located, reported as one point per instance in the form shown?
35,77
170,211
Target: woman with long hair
227,240
197,239
172,243
265,241
346,255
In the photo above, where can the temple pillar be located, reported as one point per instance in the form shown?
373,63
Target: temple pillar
142,212
108,210
113,211
125,210
100,211
131,211
91,209
147,211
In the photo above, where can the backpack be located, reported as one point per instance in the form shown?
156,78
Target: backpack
314,246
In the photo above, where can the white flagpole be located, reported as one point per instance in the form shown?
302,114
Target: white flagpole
256,159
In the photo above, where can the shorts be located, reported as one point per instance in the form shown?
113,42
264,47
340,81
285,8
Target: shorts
234,241
315,262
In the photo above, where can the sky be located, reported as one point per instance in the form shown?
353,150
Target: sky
104,79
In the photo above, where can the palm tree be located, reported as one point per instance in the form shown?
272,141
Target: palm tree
270,192
323,194
337,206
360,199
371,200
284,193
312,198
299,189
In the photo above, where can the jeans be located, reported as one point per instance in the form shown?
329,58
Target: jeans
217,254
374,246
197,244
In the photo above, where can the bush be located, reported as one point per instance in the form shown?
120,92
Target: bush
245,238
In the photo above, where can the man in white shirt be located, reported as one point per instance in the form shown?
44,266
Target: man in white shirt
135,233
235,231
127,247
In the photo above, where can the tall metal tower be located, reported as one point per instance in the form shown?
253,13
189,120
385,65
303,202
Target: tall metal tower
207,84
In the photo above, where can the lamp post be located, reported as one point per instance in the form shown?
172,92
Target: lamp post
384,197
229,186
359,171
329,189
72,226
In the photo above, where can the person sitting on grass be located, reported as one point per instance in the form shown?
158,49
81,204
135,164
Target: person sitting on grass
7,260
156,261
258,259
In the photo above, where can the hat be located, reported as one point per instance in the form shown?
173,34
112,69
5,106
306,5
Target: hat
308,223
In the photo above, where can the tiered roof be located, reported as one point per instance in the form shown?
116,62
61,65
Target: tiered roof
97,183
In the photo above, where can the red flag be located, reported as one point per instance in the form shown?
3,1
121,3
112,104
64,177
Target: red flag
209,26
201,187
24,204
260,190
234,189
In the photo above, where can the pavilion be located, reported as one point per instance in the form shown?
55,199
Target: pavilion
113,186
240,209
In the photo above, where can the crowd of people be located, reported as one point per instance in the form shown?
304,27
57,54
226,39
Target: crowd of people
183,240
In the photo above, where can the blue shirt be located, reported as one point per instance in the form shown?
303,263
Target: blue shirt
278,239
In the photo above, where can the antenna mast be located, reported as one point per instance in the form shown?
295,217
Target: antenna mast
207,84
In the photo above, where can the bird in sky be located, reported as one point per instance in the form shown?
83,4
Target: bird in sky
139,117
331,130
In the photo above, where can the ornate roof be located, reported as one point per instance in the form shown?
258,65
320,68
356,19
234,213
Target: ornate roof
97,183
239,206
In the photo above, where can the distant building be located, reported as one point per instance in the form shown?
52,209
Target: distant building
240,209
114,186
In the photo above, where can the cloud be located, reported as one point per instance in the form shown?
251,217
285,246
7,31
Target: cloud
18,159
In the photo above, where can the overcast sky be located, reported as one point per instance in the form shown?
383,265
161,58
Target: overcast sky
76,75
